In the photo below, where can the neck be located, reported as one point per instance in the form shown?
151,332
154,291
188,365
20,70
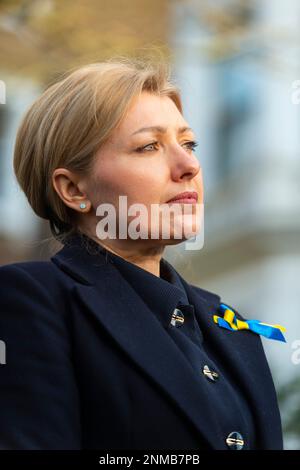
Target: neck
147,258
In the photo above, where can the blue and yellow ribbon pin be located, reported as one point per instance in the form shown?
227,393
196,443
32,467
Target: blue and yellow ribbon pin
231,322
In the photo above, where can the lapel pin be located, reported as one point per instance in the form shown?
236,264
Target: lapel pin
231,322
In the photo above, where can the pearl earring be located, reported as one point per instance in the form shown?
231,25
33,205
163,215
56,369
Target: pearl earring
83,205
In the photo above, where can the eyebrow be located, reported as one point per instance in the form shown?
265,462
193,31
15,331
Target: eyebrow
161,129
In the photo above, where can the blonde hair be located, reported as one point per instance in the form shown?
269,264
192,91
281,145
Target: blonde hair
70,121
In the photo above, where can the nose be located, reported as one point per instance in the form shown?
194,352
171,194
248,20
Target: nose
183,165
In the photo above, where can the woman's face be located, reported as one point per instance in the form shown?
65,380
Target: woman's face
150,166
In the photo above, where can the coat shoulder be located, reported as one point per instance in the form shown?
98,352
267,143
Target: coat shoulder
214,300
36,270
33,291
38,361
42,276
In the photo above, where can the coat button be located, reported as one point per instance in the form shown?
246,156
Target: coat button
235,441
210,374
177,318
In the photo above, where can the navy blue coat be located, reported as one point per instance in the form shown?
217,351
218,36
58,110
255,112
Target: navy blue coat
87,367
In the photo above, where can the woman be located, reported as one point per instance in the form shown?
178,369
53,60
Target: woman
107,346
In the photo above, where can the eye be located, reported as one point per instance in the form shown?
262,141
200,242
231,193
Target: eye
141,149
191,145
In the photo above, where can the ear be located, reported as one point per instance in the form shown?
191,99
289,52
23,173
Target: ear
68,186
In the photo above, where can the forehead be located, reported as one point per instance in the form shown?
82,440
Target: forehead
151,110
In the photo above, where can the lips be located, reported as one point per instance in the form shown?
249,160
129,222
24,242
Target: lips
185,197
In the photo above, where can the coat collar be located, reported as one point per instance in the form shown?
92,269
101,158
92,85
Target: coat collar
132,324
152,289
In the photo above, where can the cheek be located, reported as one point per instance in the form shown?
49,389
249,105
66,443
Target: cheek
141,184
144,187
109,180
199,186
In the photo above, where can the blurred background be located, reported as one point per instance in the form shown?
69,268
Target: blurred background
237,63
